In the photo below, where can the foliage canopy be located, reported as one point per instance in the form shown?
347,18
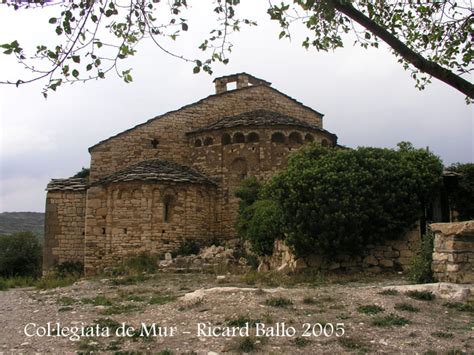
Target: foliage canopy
20,255
429,38
331,201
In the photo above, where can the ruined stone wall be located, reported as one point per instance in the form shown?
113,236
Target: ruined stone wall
168,131
219,155
453,252
126,219
393,254
64,228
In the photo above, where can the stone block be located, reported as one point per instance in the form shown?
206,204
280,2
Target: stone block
386,263
370,260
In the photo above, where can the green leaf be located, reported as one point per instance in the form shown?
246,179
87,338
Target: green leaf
196,69
184,26
75,73
76,59
53,20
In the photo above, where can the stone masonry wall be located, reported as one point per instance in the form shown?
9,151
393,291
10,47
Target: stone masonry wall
228,164
453,254
126,219
135,145
394,254
64,228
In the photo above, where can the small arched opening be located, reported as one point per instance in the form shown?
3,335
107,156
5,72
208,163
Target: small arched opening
225,139
239,138
309,138
253,137
197,143
278,137
167,208
295,138
208,141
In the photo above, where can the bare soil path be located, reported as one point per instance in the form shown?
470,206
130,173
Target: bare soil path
313,316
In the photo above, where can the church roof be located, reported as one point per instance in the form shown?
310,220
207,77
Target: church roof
231,92
157,170
70,184
258,118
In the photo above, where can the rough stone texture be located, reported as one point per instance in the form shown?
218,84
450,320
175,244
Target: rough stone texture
392,254
453,254
447,291
189,163
64,227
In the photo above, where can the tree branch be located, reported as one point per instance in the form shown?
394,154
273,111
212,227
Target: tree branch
404,51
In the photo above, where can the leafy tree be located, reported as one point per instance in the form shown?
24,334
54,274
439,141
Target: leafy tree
20,255
263,225
338,201
463,194
430,38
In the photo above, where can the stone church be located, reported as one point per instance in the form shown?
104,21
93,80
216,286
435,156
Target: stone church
173,177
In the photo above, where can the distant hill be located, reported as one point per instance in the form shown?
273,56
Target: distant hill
11,222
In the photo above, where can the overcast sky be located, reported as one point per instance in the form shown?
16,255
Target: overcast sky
366,96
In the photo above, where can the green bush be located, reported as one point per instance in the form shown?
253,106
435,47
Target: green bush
20,255
138,264
420,267
338,201
69,268
83,173
263,226
187,247
462,195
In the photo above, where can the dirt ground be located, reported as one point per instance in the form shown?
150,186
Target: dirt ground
314,316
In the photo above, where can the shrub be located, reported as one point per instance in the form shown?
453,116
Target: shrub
462,195
263,226
83,173
406,307
389,292
420,267
259,221
421,295
338,201
138,264
390,320
20,255
370,309
278,302
68,268
187,247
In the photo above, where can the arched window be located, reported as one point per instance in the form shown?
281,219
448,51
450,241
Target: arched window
239,138
238,169
208,141
278,137
309,138
295,138
324,143
197,143
167,206
225,139
253,137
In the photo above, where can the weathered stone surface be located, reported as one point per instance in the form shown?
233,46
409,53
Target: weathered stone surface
456,228
173,177
453,246
371,260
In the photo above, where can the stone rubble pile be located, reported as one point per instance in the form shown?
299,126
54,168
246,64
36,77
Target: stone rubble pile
208,258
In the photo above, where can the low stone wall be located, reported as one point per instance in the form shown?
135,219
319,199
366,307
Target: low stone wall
394,254
453,254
